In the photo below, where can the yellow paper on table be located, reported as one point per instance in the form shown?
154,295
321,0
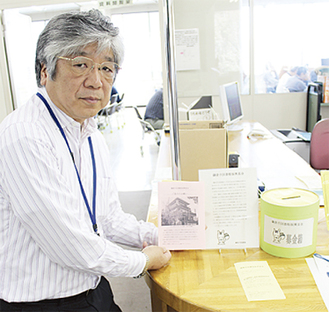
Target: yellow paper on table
325,188
258,281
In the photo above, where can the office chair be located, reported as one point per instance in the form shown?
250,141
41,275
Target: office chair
146,128
314,100
107,112
319,149
119,109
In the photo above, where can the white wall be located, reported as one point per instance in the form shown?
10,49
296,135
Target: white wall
324,112
277,111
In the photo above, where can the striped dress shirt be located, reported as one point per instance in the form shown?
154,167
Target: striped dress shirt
48,248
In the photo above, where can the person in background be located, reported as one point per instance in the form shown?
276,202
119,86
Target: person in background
281,87
61,220
270,78
298,82
115,92
154,110
313,76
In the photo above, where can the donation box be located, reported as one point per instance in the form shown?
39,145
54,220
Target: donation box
203,145
289,222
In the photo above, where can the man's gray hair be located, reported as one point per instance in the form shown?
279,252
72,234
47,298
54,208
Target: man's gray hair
67,34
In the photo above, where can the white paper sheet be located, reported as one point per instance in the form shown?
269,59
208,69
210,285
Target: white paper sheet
231,207
319,269
258,281
187,49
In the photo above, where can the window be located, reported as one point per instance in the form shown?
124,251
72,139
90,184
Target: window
231,26
223,29
288,34
142,68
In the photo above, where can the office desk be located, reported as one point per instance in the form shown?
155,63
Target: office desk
277,165
206,280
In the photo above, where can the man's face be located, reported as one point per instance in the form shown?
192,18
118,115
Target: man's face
80,97
305,76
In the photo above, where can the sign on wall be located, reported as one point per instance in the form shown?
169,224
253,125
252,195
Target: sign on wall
187,49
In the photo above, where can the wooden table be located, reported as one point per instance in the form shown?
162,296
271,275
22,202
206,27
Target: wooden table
206,280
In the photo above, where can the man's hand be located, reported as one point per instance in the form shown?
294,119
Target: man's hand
158,256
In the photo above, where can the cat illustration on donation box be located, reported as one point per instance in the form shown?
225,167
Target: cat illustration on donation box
278,235
222,237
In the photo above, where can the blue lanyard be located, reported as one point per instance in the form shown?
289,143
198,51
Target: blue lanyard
92,214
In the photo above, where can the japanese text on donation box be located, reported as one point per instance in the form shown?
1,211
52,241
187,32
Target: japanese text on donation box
288,233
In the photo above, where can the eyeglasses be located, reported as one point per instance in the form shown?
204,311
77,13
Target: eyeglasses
83,65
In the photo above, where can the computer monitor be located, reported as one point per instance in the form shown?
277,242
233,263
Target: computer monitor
231,105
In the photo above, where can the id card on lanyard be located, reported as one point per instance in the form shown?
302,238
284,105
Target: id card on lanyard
92,213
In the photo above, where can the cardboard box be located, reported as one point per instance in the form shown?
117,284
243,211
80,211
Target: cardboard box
200,109
203,145
200,114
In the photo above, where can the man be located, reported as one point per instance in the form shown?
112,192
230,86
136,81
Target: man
115,92
281,87
60,214
299,82
154,110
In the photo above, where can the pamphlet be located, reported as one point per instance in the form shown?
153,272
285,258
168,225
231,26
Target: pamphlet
181,216
220,211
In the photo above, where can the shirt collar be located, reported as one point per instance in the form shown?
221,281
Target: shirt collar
86,129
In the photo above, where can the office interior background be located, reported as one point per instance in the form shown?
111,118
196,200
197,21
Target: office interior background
238,40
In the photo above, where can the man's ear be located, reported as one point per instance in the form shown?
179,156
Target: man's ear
44,75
